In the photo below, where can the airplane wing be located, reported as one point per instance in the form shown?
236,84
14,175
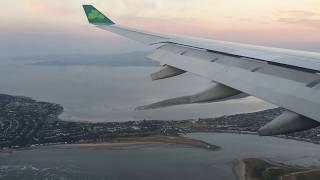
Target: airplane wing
286,78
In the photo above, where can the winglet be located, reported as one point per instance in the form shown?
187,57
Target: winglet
96,17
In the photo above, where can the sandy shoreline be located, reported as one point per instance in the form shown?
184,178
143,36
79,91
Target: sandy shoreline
239,169
103,145
128,142
255,168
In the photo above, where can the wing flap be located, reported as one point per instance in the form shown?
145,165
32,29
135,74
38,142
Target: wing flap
286,78
283,91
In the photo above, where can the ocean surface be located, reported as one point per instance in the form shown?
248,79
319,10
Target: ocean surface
156,162
102,93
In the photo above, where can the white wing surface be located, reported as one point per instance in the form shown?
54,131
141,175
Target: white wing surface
286,78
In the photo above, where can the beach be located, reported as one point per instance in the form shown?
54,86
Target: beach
128,142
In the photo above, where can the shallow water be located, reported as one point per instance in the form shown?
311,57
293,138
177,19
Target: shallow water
158,161
91,93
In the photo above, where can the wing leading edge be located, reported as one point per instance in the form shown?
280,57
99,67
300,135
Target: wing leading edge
286,78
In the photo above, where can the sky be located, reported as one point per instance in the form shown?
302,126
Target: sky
31,27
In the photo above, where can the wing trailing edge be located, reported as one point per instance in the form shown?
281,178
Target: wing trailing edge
286,78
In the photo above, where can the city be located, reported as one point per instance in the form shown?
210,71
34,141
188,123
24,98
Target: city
28,123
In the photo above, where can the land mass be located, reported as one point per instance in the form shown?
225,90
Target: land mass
114,60
125,142
259,169
26,123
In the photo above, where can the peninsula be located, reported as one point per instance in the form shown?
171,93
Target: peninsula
26,123
259,169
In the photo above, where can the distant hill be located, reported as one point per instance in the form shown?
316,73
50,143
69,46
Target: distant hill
125,59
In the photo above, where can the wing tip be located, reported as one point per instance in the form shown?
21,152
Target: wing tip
94,16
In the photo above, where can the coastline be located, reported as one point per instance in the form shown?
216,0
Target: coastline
239,169
256,134
39,125
126,142
259,169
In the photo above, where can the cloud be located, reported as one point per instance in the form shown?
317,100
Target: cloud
246,21
314,23
154,8
302,18
32,6
44,7
129,7
298,13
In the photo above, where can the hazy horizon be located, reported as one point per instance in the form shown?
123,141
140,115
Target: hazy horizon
38,27
50,53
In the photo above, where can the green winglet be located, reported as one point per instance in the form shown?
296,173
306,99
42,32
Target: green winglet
96,17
